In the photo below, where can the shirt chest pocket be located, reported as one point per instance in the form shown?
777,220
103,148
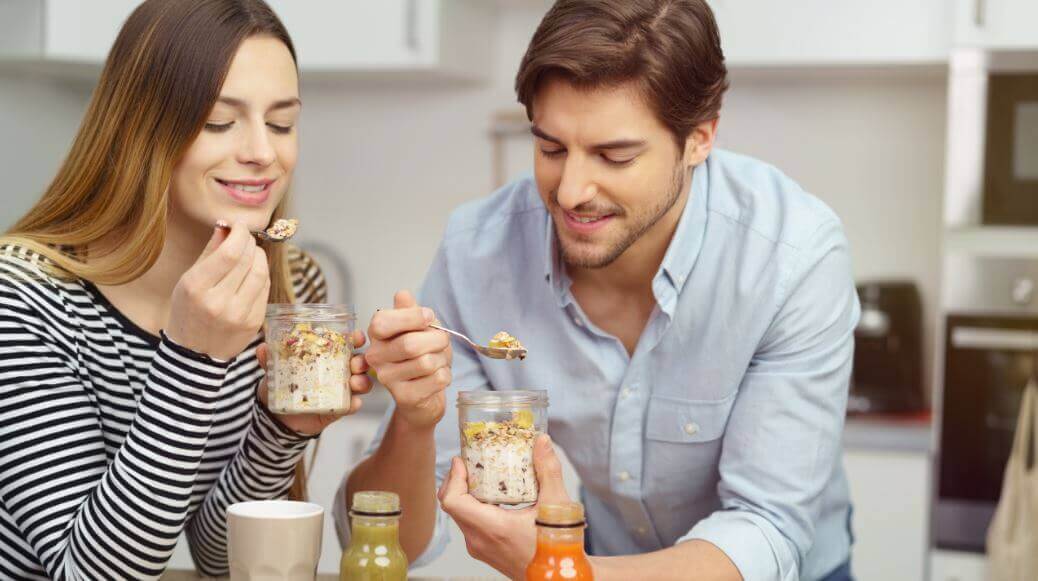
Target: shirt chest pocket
687,421
683,451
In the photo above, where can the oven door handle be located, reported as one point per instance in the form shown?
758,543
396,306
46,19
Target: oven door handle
999,339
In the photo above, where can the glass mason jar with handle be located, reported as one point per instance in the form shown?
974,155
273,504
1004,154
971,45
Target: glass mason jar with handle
309,358
498,429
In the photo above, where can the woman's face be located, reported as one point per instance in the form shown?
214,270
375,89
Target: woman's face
240,165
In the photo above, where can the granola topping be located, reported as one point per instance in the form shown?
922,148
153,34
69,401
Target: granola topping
283,228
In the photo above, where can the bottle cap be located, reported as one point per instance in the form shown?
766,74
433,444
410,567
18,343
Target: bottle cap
561,515
375,503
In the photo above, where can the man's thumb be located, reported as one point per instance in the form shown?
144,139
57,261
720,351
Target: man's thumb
404,299
548,468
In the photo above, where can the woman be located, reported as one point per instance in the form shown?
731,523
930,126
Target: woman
129,325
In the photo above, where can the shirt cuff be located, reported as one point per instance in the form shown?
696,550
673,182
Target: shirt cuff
758,550
277,431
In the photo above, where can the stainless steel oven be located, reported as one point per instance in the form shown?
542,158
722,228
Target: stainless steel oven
991,342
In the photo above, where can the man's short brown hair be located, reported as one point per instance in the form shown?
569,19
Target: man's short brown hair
670,47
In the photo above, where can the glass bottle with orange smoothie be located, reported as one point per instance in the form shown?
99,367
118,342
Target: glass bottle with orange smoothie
560,544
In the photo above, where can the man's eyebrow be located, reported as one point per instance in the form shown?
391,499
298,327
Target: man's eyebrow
615,144
538,132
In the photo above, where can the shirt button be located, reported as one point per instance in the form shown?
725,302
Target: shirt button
641,530
625,392
691,428
624,476
578,322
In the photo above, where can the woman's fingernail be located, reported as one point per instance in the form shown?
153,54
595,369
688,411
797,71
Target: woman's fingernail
222,224
429,315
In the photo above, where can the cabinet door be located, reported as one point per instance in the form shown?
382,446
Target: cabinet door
1008,24
360,34
890,492
80,31
826,32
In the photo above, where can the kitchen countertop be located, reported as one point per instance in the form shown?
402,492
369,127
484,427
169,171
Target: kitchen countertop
182,575
912,434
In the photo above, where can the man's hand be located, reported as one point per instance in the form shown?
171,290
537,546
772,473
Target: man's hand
310,424
504,539
411,360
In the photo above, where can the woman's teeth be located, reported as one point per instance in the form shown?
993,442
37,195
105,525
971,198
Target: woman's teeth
250,189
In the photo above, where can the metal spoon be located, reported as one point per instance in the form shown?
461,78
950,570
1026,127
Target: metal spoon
261,234
491,352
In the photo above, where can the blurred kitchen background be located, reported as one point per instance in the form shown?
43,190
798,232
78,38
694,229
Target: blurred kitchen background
916,121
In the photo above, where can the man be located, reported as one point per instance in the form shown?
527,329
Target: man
690,312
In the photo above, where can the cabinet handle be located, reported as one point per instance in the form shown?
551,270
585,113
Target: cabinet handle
979,10
411,25
994,339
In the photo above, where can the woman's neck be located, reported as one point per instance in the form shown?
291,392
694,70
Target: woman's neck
146,299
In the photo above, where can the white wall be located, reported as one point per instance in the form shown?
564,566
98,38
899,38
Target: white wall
38,119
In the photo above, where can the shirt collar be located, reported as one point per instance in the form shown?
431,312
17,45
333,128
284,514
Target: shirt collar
688,237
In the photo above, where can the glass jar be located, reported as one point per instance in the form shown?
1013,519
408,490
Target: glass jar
309,349
498,429
374,553
560,544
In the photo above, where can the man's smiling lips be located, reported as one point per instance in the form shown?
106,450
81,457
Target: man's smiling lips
586,223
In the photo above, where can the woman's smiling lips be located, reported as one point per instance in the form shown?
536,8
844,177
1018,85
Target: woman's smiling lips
251,192
584,224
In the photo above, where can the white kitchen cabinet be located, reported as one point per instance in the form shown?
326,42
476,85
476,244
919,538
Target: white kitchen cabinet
956,566
448,38
996,24
890,491
823,32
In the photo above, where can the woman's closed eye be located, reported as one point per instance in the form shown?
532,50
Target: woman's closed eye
216,127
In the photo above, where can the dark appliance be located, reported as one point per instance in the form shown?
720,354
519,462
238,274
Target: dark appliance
990,345
1011,150
888,350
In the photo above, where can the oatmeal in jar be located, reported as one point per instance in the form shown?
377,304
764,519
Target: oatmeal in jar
498,430
309,361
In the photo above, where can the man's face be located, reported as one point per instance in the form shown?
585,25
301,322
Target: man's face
607,169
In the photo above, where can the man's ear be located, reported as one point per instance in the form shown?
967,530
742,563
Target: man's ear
700,142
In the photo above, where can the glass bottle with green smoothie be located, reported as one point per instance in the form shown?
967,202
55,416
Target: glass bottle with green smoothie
374,553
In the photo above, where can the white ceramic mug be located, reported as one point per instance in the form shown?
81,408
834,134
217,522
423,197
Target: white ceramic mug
274,540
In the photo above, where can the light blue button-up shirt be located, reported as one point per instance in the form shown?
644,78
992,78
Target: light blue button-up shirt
725,423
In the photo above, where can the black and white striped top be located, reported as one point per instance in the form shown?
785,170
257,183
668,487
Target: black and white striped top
113,441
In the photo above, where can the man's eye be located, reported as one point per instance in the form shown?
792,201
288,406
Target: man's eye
552,152
618,162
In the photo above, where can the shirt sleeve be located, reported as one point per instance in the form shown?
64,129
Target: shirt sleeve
467,374
783,438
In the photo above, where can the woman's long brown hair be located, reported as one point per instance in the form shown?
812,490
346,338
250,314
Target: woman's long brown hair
159,83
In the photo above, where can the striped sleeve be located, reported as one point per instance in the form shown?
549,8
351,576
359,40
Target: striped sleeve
264,466
88,515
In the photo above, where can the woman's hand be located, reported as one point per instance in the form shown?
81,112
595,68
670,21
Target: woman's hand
219,304
411,360
311,424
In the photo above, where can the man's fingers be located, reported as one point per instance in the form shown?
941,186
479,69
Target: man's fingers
359,384
548,468
358,339
403,299
389,323
426,362
456,484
